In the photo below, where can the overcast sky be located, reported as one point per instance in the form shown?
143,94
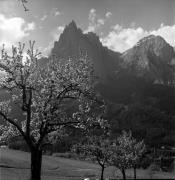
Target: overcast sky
119,23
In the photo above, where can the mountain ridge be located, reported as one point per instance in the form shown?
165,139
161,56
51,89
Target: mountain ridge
150,55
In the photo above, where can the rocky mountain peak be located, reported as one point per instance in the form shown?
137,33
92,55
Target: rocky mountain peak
150,45
72,24
73,43
152,57
72,29
68,40
156,45
151,39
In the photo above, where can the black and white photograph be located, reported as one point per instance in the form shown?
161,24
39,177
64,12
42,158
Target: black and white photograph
87,89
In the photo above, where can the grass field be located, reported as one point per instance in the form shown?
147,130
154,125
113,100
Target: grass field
15,165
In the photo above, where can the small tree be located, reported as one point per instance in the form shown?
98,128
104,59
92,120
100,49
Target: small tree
137,149
126,153
42,95
97,149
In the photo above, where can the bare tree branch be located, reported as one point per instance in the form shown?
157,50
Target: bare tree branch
24,2
13,123
63,123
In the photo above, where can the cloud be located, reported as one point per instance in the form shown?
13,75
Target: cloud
92,15
108,14
51,13
120,39
57,13
55,37
101,21
57,32
30,27
44,17
14,29
47,50
167,32
94,22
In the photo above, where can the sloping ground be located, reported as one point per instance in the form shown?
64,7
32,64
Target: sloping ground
15,165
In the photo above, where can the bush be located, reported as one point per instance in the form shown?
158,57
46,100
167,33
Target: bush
145,162
61,147
47,152
154,167
18,143
167,164
65,155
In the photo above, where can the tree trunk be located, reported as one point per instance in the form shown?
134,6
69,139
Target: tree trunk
123,173
36,160
134,172
102,172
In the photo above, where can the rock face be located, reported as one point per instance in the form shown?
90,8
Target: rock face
152,57
73,43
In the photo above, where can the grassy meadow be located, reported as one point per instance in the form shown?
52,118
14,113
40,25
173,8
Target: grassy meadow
15,165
